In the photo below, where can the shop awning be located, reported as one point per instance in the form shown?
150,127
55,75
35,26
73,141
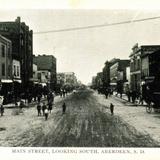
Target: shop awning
33,80
17,80
43,84
113,84
6,81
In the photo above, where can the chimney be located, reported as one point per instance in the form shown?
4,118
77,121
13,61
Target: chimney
18,20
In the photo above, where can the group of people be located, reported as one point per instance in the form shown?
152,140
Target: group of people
63,93
45,110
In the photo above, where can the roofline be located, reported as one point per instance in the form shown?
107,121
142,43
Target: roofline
6,39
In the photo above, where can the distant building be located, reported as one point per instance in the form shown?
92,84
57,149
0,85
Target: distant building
47,64
118,74
70,78
139,63
94,82
65,78
106,73
99,82
34,78
22,45
61,79
44,77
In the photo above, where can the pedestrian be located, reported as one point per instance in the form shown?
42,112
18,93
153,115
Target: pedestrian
134,95
43,108
46,113
21,105
39,98
39,109
64,93
1,109
61,93
112,108
129,95
106,93
64,108
50,106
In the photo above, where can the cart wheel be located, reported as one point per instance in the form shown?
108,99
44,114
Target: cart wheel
149,108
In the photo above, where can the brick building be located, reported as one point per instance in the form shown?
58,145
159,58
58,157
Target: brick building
5,65
20,35
139,64
67,79
5,59
150,66
106,73
118,75
47,63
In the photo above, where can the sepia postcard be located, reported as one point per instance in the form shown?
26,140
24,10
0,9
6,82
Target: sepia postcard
79,79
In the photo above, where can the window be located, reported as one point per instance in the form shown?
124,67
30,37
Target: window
39,76
18,71
9,52
14,70
3,69
3,50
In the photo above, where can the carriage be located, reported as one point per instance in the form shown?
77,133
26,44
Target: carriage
151,95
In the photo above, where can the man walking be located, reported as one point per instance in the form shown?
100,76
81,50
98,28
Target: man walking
39,109
112,108
64,108
46,113
1,110
43,108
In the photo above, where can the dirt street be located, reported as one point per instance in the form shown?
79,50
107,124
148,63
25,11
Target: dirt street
86,123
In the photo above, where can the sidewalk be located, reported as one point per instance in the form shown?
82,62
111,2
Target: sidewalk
124,97
12,105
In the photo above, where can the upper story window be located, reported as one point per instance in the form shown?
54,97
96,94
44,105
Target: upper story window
9,51
3,50
18,74
14,70
3,69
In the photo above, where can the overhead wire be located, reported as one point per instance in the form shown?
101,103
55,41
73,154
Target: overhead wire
97,26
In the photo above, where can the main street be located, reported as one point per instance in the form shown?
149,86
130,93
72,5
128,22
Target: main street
86,123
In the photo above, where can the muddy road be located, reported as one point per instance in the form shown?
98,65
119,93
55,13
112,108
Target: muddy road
85,124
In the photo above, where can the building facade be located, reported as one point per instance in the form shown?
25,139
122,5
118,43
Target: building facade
16,70
67,79
118,74
139,64
47,64
5,59
22,46
150,66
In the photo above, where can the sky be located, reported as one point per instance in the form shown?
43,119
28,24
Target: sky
85,51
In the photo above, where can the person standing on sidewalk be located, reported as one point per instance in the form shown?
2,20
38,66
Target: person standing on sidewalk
46,113
112,108
21,106
39,109
43,108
